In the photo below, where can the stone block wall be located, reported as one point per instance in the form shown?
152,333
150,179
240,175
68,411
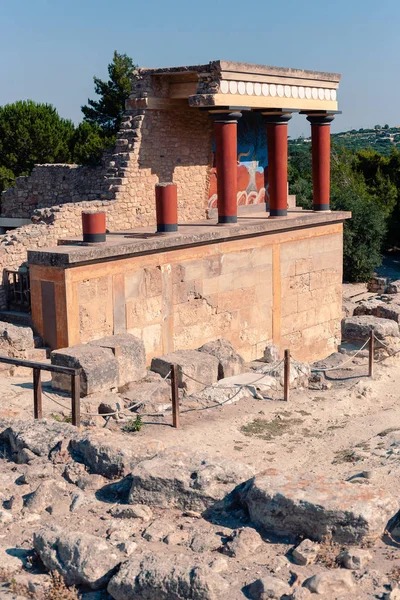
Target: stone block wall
283,288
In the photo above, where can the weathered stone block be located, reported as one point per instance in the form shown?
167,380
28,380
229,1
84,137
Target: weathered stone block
99,368
359,328
16,341
130,355
393,287
230,362
192,365
186,480
309,506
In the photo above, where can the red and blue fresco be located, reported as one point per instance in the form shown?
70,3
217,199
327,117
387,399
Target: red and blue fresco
252,163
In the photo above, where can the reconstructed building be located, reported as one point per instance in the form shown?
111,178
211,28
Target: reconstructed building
245,263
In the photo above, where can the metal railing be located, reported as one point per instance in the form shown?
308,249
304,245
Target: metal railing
37,367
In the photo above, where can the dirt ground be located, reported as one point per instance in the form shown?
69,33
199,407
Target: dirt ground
352,427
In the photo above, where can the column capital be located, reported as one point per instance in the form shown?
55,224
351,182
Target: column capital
276,118
228,116
323,119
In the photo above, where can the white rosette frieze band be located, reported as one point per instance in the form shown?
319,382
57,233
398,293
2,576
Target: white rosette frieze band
277,90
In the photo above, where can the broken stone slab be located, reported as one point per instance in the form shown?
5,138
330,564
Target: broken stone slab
305,553
178,478
222,392
333,582
81,558
111,454
393,287
355,558
192,365
153,396
167,576
359,328
367,307
16,341
305,505
37,437
299,373
130,355
99,368
389,311
268,586
243,543
230,361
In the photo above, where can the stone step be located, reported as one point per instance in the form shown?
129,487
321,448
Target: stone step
16,318
38,354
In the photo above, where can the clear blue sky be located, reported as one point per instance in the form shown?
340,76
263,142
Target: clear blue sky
50,49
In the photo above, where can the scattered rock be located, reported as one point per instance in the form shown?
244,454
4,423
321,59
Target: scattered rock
305,553
37,472
230,362
166,577
268,587
153,396
39,437
80,558
243,543
51,495
177,478
134,511
271,354
198,365
300,593
393,287
299,373
314,507
221,392
335,582
359,328
377,285
110,454
355,558
318,381
158,530
5,517
368,307
205,541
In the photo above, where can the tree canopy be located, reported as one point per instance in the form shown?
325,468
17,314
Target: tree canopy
108,110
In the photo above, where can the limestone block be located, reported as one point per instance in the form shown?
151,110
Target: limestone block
314,507
191,363
230,362
99,366
358,328
15,341
130,354
389,311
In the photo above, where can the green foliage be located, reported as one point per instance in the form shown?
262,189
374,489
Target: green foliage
7,178
108,110
133,425
88,144
32,133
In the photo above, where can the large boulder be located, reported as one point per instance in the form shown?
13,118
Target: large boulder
315,506
130,354
230,362
196,369
99,367
112,455
37,438
16,341
81,558
359,328
177,478
166,577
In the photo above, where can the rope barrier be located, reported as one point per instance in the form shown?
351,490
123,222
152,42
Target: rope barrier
343,363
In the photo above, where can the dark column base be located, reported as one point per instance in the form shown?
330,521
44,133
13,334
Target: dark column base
94,238
223,220
278,212
166,228
318,207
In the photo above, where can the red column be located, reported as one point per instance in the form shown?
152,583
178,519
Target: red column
321,159
167,207
225,128
277,139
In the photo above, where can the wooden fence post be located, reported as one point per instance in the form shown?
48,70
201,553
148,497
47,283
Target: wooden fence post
371,353
37,394
286,376
175,397
76,399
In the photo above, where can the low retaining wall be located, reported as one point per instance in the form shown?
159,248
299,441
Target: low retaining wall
252,285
